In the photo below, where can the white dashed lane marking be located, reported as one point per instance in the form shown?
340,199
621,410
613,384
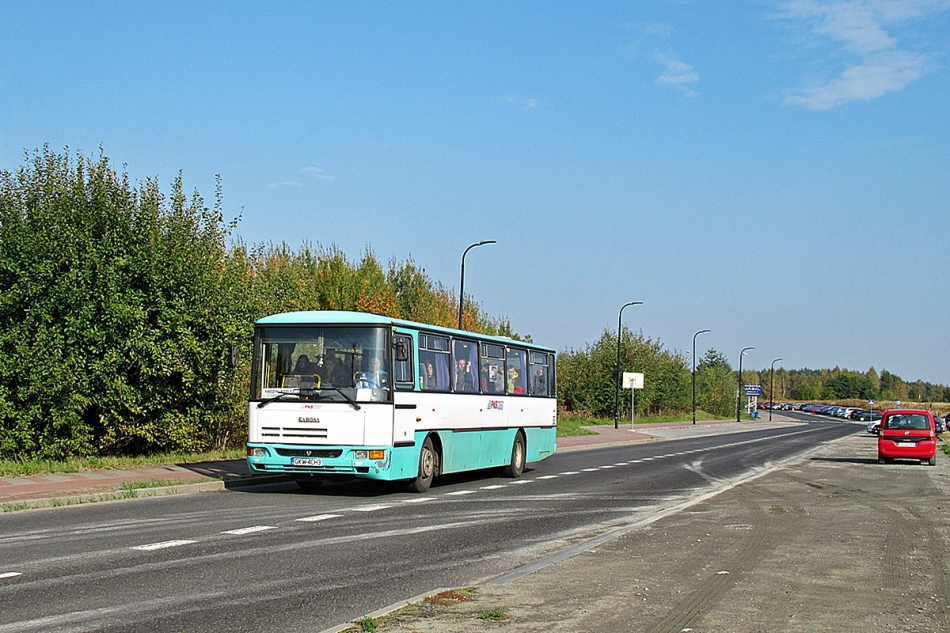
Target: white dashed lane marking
10,574
461,492
570,472
418,500
370,508
163,545
521,481
250,530
590,470
319,517
547,477
493,487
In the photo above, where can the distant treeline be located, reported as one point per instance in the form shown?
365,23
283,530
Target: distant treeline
119,305
587,381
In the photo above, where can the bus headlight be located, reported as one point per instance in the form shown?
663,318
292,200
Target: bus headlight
359,454
256,452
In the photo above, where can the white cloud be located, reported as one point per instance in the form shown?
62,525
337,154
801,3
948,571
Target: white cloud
522,103
875,62
677,73
317,173
876,76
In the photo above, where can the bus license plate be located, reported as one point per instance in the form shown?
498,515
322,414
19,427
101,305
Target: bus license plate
306,461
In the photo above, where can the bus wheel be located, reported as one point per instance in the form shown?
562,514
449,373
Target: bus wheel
428,466
516,467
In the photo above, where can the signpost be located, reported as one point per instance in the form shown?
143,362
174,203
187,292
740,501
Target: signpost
752,392
632,381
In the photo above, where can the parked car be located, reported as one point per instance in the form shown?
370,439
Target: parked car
907,434
874,427
939,425
863,415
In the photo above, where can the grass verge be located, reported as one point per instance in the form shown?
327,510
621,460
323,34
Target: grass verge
401,619
568,426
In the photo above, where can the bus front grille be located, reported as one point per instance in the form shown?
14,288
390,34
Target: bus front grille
295,433
299,452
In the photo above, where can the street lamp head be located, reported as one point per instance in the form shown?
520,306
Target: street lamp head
462,280
619,334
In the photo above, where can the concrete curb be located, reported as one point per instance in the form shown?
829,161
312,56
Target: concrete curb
121,494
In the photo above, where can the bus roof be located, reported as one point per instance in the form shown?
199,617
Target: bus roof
343,317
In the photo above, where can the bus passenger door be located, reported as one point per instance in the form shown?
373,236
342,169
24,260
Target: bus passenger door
404,414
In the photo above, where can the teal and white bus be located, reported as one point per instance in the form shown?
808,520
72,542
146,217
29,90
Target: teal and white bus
360,395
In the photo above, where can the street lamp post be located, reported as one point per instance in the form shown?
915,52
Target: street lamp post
694,372
462,282
617,390
739,386
771,383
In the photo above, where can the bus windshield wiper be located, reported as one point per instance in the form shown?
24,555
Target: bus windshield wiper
309,390
348,399
297,393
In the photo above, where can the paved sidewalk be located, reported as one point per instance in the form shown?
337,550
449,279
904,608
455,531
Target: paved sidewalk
36,491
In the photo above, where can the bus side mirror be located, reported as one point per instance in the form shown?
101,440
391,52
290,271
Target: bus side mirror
402,351
234,355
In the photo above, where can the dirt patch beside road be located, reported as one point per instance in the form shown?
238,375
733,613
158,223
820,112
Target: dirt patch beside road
835,543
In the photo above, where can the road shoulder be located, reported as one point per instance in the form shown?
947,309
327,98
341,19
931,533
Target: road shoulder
832,542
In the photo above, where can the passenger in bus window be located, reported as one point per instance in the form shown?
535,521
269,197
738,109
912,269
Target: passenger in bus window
540,386
487,387
430,382
303,365
498,378
333,372
374,378
463,377
471,382
512,377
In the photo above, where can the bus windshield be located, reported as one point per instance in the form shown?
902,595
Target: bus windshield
321,363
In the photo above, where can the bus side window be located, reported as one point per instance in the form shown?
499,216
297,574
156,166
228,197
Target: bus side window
538,374
403,368
515,377
434,372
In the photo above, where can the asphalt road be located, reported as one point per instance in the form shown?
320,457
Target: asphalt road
279,559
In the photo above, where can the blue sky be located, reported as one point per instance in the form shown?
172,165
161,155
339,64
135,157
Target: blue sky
775,171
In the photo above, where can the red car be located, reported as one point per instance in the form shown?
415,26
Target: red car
907,434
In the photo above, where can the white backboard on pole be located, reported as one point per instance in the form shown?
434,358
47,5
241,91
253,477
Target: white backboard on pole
632,380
